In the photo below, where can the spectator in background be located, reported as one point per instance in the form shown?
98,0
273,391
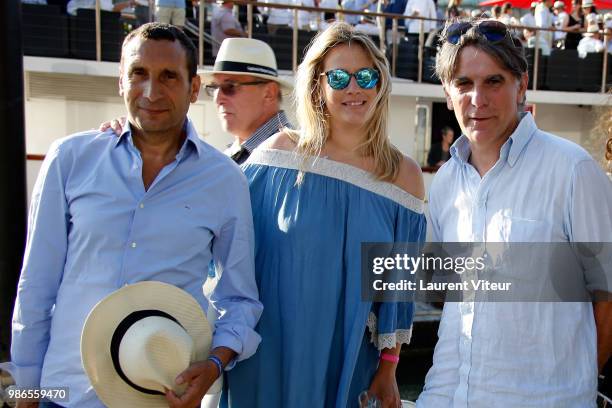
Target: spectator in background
528,20
588,12
393,7
170,12
106,5
608,30
276,17
561,22
530,38
367,26
496,12
355,5
224,25
506,15
329,4
452,10
544,19
591,41
141,10
440,152
575,24
307,20
420,8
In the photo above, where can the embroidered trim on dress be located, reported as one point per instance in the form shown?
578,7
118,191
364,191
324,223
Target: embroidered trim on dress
387,340
340,171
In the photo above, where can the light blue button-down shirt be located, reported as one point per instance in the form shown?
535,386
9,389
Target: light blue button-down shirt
542,189
93,228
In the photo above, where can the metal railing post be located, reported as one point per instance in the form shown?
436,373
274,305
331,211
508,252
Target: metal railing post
151,11
250,20
295,40
394,46
98,32
421,42
536,60
201,34
604,73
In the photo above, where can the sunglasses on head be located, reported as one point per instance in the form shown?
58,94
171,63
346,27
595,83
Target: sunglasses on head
229,88
366,78
492,30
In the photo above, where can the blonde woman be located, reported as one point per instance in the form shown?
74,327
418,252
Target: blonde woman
317,194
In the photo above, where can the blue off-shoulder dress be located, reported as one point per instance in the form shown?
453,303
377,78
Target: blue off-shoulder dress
320,342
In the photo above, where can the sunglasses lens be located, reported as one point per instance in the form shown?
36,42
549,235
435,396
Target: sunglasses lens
456,30
338,78
493,30
367,78
228,89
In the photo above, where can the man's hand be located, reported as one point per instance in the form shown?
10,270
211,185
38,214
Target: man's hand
199,377
115,124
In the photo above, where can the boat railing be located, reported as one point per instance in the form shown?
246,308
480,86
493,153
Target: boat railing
411,55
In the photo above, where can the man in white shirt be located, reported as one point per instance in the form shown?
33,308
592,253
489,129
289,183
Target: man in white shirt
224,25
420,8
106,5
277,17
507,181
591,43
561,21
544,19
528,20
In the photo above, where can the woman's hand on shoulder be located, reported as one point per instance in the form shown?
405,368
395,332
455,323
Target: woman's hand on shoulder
280,141
410,178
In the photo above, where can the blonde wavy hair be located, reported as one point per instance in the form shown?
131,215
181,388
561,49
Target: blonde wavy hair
313,117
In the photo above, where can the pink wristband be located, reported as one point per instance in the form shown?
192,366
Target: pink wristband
389,357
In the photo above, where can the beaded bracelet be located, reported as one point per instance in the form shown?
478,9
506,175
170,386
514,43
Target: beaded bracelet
217,362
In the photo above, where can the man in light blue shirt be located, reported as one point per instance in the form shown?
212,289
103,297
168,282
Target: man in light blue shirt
156,203
508,181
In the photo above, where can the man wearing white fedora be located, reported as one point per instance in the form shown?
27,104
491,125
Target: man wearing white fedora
247,91
156,203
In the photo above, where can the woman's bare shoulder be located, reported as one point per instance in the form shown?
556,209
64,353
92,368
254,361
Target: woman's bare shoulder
410,178
280,141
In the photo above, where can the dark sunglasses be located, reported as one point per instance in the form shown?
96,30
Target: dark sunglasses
493,31
229,88
367,78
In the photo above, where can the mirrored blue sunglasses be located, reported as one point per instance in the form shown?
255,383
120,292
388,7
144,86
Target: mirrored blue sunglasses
366,78
492,30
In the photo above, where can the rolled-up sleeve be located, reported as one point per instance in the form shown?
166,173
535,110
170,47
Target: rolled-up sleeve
235,297
42,271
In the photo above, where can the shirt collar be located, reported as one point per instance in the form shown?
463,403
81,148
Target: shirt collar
192,138
273,125
511,149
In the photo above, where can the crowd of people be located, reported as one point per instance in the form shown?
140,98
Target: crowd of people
583,28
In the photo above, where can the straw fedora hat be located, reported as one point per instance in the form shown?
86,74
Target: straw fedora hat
246,56
587,3
138,339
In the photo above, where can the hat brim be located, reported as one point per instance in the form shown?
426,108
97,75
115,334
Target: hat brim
286,86
106,316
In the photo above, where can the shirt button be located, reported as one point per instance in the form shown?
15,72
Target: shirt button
133,245
141,205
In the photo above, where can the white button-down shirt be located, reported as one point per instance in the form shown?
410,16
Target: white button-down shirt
425,8
542,189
